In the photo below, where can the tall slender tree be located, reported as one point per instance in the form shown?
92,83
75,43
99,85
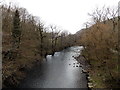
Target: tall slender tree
16,31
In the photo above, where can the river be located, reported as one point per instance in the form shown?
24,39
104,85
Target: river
58,71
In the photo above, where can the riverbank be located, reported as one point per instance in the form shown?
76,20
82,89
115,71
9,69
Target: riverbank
16,71
85,69
42,66
97,75
14,74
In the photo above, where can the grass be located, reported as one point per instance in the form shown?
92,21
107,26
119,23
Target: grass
100,72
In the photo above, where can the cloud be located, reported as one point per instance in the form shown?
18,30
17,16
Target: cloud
69,14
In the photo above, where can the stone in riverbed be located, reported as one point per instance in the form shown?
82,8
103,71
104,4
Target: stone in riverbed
90,85
76,65
84,71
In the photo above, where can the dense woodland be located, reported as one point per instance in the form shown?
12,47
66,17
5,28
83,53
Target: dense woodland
101,47
26,41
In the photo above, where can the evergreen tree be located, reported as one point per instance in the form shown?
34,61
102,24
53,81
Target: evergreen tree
16,31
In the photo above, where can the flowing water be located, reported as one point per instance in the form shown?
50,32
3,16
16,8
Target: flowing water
58,71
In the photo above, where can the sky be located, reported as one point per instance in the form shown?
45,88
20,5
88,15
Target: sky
70,15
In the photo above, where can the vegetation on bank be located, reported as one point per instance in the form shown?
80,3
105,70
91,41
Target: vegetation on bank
101,48
27,41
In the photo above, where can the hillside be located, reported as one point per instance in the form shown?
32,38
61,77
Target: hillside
100,43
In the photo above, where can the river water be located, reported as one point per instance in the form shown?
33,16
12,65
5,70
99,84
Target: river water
58,71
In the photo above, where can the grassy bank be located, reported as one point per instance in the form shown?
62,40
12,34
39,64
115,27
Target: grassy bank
102,75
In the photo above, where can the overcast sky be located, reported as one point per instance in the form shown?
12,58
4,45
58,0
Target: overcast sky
68,14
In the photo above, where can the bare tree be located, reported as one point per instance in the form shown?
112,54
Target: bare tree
54,36
42,36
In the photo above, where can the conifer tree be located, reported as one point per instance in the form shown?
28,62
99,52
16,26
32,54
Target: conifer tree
16,31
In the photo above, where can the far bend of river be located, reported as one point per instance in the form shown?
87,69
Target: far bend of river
57,71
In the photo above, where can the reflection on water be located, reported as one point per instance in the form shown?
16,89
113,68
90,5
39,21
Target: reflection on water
58,71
